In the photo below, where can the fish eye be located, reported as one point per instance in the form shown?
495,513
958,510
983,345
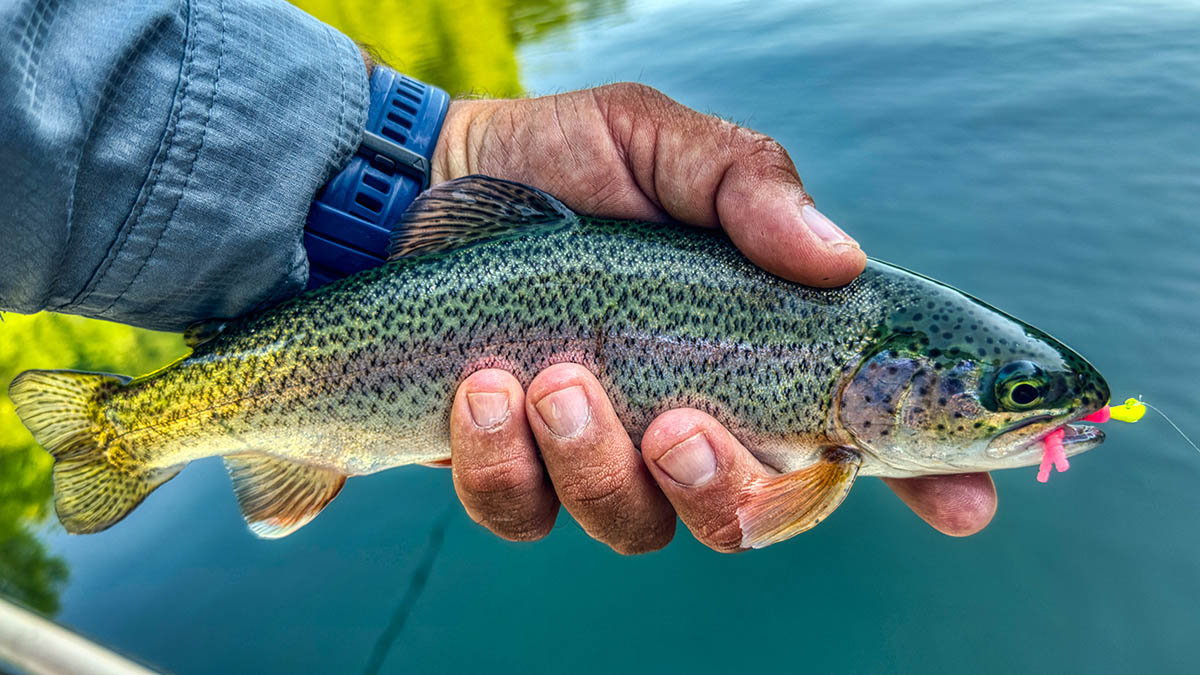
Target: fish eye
1020,385
1025,393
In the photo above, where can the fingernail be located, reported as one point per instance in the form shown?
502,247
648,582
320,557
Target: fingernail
566,412
824,227
691,462
488,408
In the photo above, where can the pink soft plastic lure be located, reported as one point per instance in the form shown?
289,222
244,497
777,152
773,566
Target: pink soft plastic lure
1052,447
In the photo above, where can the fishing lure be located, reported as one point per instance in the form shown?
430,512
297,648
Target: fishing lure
1130,411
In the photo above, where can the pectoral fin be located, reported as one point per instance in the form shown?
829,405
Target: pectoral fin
202,331
277,496
776,508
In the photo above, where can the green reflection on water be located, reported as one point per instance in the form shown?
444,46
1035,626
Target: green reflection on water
463,46
28,572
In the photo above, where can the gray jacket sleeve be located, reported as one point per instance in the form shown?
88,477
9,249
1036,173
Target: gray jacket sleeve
158,158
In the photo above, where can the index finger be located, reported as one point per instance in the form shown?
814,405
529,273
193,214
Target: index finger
958,505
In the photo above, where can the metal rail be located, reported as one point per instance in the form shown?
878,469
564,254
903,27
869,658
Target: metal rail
38,646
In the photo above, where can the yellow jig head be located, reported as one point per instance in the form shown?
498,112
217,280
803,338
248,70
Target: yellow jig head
1053,454
1130,411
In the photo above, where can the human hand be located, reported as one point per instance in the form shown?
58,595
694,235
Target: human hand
628,151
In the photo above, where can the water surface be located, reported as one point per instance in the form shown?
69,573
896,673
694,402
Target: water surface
1045,158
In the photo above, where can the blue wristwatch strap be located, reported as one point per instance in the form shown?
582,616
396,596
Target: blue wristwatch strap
352,217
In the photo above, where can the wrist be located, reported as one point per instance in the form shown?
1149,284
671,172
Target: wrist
457,150
350,221
369,57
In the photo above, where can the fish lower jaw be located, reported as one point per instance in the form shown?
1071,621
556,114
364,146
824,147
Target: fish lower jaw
1081,437
873,465
1077,439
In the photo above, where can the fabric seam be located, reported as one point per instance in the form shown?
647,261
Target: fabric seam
191,162
161,160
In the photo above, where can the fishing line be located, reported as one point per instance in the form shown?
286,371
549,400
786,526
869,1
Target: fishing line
1169,421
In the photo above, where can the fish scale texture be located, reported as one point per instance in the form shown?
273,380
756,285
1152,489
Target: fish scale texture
359,375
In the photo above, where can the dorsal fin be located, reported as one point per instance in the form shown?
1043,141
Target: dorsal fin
471,209
277,496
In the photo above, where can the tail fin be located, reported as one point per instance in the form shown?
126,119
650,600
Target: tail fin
97,482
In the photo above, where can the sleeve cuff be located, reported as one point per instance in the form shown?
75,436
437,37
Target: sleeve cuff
269,103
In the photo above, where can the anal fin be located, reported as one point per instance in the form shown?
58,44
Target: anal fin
779,507
279,496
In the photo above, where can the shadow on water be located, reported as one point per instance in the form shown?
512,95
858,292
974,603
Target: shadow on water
416,585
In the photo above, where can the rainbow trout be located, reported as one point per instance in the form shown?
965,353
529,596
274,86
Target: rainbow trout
892,375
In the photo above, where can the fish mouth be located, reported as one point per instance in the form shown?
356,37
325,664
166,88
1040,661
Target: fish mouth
1080,437
1077,438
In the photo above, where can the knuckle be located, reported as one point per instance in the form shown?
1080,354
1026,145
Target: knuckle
597,487
765,157
764,149
608,505
647,541
528,527
603,190
723,534
632,100
632,91
507,478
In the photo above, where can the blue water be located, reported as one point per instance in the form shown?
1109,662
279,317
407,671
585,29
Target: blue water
1046,158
